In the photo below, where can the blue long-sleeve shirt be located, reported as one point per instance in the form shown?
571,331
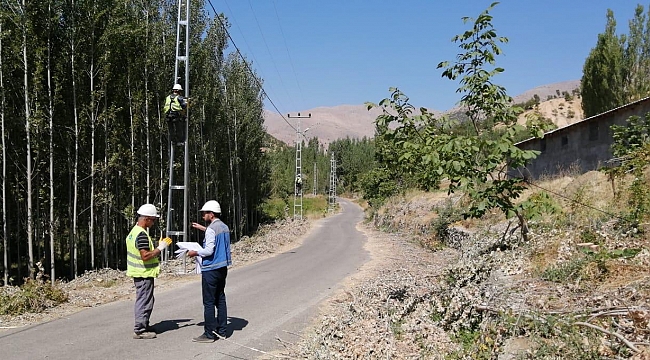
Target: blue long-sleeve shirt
216,246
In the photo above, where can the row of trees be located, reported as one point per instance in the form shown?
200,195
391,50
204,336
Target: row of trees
617,69
84,142
354,158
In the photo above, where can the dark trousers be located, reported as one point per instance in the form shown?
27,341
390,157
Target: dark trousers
214,283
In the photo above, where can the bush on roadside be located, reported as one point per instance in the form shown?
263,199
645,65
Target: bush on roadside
33,296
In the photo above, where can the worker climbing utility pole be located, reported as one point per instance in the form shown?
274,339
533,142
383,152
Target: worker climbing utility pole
297,184
176,223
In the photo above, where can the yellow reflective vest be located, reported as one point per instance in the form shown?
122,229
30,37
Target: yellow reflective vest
135,266
172,103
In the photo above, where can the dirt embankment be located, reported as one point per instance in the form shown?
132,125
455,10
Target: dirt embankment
578,289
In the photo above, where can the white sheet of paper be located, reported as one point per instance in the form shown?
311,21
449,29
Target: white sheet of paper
189,246
183,247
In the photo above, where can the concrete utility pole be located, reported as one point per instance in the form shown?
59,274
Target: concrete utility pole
297,183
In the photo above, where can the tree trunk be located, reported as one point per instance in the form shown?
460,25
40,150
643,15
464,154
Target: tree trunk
146,108
105,174
5,242
93,119
51,155
75,165
132,169
28,170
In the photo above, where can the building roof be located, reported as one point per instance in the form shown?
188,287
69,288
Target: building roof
590,118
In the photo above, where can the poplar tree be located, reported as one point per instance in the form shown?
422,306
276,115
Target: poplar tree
616,71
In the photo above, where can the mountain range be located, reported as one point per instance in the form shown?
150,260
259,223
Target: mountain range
355,121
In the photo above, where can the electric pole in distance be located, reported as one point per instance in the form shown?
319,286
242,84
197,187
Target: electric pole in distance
297,184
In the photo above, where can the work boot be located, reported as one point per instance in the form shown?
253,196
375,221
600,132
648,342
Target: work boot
203,339
144,335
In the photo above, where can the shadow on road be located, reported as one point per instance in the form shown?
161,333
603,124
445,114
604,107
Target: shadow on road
233,324
168,325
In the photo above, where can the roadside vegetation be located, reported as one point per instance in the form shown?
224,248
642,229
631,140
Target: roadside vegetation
481,265
496,267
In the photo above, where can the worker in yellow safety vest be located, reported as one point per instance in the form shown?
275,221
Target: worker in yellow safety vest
174,110
143,266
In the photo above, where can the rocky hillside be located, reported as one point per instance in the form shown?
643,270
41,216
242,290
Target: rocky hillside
355,121
326,123
560,111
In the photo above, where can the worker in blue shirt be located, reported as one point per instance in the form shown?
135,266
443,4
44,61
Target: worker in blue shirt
215,259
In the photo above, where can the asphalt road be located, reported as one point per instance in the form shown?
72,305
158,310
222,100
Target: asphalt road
274,298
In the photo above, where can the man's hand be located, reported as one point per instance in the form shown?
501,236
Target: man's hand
192,253
164,243
198,226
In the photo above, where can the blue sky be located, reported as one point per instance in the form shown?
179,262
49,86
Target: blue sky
335,52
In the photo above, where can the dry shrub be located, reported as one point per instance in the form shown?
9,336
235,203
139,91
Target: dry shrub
544,256
620,274
592,271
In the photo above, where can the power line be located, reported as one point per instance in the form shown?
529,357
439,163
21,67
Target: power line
223,26
577,202
284,39
275,66
250,50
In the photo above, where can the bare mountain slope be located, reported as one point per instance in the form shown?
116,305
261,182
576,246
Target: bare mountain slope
326,123
544,91
355,121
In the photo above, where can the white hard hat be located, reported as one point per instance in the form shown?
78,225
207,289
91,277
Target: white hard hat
213,206
148,210
177,87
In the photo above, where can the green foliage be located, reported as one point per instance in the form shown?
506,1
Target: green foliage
589,235
571,114
617,68
630,137
638,199
275,209
102,112
429,150
354,157
467,338
33,297
538,204
567,96
377,185
631,147
529,104
314,205
550,336
447,214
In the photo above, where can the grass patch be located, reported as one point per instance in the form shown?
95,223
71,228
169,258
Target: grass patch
564,272
278,208
314,207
